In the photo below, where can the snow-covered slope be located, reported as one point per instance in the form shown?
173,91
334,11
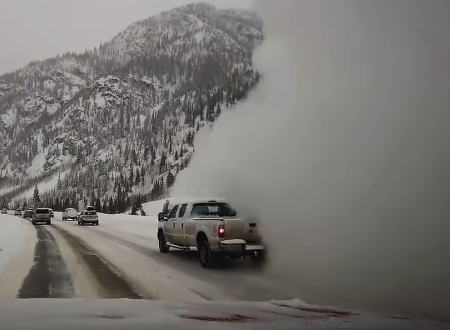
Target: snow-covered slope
122,117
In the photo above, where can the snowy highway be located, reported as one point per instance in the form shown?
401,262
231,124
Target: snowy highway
119,259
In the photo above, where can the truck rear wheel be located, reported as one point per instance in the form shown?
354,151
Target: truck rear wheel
163,247
258,256
207,257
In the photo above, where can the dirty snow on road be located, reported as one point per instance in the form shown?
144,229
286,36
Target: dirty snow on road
120,259
129,245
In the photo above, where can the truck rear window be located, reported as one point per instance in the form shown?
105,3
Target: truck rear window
213,210
42,211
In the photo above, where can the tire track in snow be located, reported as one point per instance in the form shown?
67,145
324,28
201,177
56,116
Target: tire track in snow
110,283
48,277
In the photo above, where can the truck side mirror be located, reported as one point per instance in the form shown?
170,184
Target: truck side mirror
162,217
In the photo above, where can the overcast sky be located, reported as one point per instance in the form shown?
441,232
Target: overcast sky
38,29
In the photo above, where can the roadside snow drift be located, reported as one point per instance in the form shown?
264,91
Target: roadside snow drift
12,236
138,314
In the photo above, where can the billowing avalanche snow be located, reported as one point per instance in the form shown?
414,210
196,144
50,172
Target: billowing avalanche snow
115,126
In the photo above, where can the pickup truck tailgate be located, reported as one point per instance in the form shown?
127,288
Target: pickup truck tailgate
235,228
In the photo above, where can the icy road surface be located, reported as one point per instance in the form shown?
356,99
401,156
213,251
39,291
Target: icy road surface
120,259
130,245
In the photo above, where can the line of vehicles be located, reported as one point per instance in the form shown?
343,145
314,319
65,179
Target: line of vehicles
210,226
45,215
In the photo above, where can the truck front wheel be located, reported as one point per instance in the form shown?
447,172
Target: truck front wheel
206,256
163,247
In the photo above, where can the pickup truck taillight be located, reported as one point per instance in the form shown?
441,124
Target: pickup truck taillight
221,231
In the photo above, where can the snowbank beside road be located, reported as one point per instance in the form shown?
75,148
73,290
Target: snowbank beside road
153,208
145,226
12,237
151,314
17,245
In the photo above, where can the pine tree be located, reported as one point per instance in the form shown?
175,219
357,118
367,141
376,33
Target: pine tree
143,175
79,155
170,180
138,178
165,208
162,163
98,206
131,178
105,207
59,184
111,207
36,198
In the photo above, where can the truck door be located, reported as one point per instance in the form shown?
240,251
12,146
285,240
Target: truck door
179,234
169,225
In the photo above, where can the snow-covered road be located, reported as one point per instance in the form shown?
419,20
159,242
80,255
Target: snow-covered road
120,259
129,245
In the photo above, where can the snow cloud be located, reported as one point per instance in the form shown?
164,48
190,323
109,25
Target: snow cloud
342,152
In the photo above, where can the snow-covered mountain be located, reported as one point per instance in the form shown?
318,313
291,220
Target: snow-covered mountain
119,121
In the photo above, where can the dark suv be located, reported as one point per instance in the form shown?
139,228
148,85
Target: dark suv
28,213
42,215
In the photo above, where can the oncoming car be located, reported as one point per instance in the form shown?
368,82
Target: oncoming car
69,214
213,227
28,213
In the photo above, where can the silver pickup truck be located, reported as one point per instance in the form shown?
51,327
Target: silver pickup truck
213,227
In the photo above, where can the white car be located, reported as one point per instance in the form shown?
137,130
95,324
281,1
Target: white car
213,227
88,215
70,214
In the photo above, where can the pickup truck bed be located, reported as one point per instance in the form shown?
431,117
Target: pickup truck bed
212,227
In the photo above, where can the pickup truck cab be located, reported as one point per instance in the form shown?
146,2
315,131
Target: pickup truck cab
88,215
212,226
41,215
